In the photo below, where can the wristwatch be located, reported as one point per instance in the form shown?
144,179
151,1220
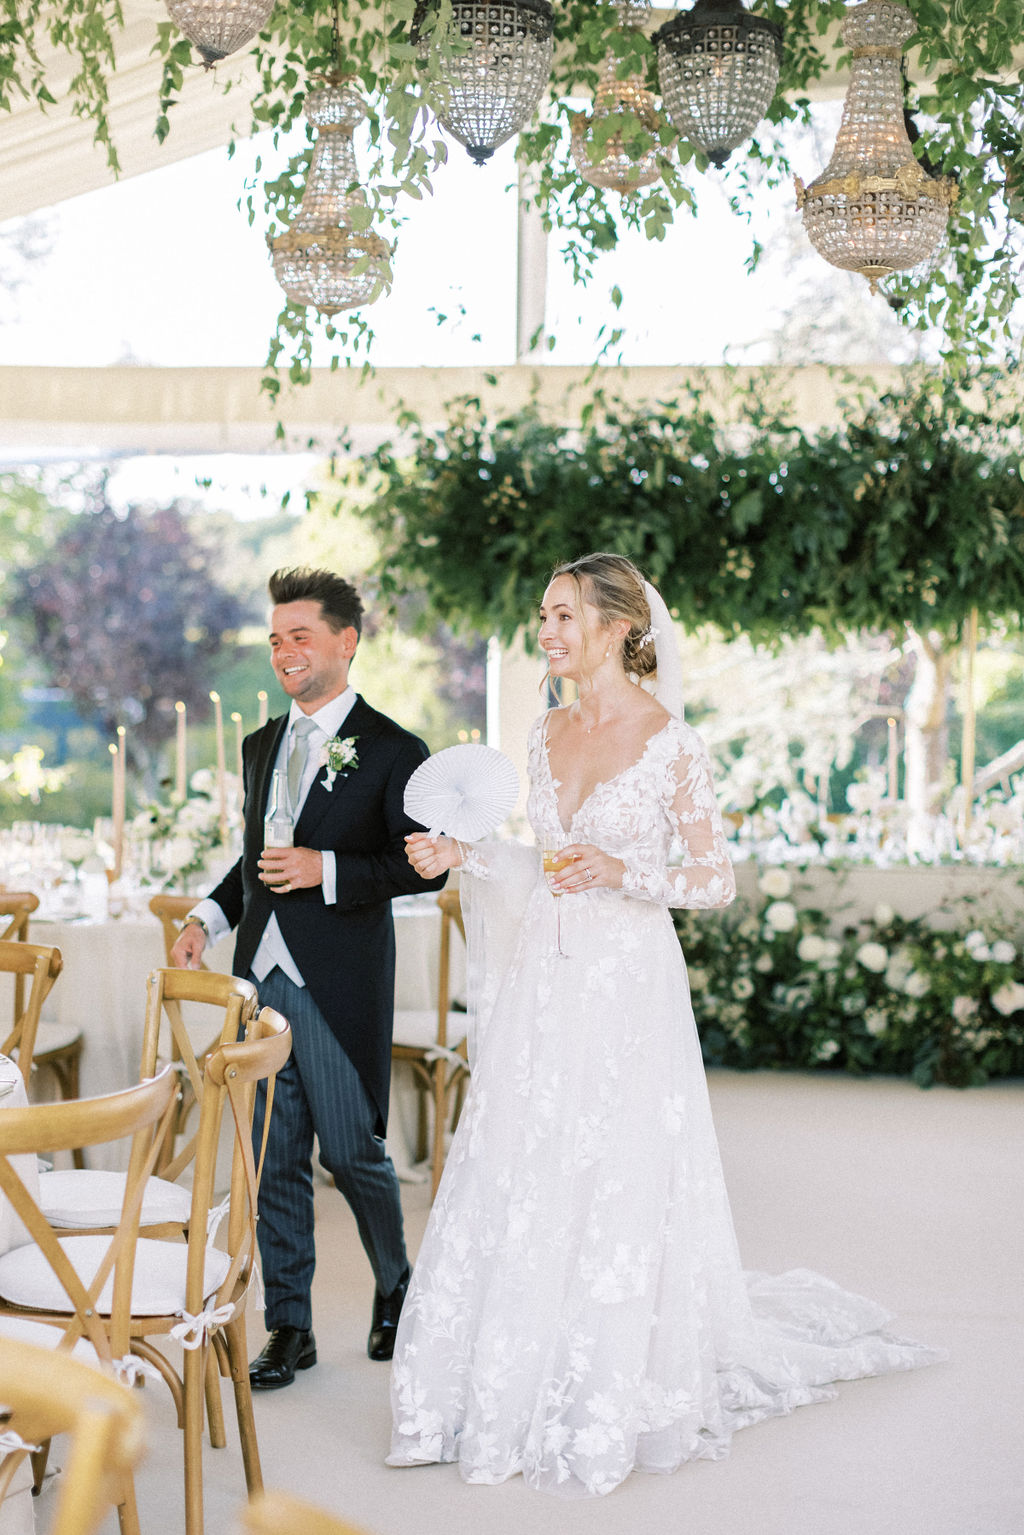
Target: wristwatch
196,922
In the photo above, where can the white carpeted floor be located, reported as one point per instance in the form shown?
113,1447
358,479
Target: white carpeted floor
915,1198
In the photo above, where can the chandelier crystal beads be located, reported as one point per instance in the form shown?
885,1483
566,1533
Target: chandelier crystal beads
498,71
219,27
718,67
875,209
613,165
323,260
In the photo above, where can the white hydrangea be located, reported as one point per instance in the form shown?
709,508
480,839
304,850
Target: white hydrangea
1003,952
873,956
964,1008
1009,998
811,948
781,916
775,883
883,914
875,1021
916,984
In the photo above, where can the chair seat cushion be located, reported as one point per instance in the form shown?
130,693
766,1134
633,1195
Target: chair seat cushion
55,1036
88,1197
158,1284
417,1028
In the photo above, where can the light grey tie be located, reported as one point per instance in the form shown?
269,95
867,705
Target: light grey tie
301,732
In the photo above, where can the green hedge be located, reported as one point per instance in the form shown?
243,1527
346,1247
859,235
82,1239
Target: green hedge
774,987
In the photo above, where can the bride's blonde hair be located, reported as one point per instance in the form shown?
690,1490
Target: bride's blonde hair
613,585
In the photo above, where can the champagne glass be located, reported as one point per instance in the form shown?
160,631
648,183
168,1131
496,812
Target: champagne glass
555,858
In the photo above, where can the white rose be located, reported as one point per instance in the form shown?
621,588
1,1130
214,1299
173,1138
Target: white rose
875,1021
811,948
883,915
1009,998
764,964
742,987
974,939
1004,953
781,915
831,952
776,883
916,984
826,1050
873,956
964,1008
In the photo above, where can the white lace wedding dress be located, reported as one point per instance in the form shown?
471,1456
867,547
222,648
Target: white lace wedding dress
578,1308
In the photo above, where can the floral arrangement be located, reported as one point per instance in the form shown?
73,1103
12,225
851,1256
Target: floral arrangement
183,835
773,986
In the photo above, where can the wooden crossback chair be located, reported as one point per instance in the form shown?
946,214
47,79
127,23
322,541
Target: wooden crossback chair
46,1392
193,1292
278,1513
74,1299
43,964
58,1046
433,1042
88,1201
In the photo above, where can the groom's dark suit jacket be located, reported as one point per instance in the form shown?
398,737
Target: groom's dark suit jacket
345,952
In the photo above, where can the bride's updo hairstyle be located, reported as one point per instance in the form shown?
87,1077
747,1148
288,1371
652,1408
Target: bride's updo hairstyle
613,585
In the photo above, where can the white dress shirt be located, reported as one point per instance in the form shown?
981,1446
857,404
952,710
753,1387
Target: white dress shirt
272,948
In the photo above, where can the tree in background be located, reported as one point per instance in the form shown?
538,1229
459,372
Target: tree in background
128,615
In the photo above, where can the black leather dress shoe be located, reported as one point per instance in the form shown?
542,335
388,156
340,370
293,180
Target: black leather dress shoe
287,1349
386,1311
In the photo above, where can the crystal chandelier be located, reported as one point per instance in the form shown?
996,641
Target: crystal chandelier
875,209
718,67
322,260
219,27
494,82
616,167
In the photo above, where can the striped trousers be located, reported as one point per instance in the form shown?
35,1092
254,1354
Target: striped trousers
319,1092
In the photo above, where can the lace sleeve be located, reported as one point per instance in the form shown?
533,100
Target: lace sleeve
704,877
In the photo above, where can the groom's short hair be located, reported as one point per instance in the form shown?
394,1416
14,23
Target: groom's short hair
340,603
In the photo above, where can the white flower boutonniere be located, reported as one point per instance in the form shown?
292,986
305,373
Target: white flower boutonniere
338,757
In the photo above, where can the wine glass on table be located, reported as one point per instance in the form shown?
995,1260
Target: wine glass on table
555,858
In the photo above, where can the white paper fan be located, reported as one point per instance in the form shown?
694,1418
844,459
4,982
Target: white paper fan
465,791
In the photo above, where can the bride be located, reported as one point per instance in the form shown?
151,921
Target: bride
578,1308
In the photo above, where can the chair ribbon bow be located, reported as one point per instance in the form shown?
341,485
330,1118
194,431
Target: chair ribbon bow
214,1218
9,1440
129,1367
194,1331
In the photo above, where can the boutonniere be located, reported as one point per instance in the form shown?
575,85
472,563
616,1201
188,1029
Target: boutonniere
338,757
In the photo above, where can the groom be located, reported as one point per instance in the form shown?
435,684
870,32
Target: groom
316,936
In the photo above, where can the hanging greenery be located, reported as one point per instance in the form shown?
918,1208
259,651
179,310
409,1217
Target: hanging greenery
911,513
969,96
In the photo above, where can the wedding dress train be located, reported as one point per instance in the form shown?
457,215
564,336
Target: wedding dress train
578,1308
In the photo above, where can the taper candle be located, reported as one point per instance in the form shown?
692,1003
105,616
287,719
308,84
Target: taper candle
237,720
894,759
180,759
120,754
222,787
261,699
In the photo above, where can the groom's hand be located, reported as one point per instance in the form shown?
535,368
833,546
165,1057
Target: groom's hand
291,868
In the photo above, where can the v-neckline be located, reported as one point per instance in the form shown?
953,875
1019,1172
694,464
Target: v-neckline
602,783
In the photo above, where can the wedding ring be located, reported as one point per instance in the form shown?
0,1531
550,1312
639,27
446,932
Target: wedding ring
589,873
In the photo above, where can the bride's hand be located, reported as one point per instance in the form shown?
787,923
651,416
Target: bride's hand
590,870
431,856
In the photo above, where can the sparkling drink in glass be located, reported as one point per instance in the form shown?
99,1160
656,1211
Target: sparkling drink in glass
555,858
